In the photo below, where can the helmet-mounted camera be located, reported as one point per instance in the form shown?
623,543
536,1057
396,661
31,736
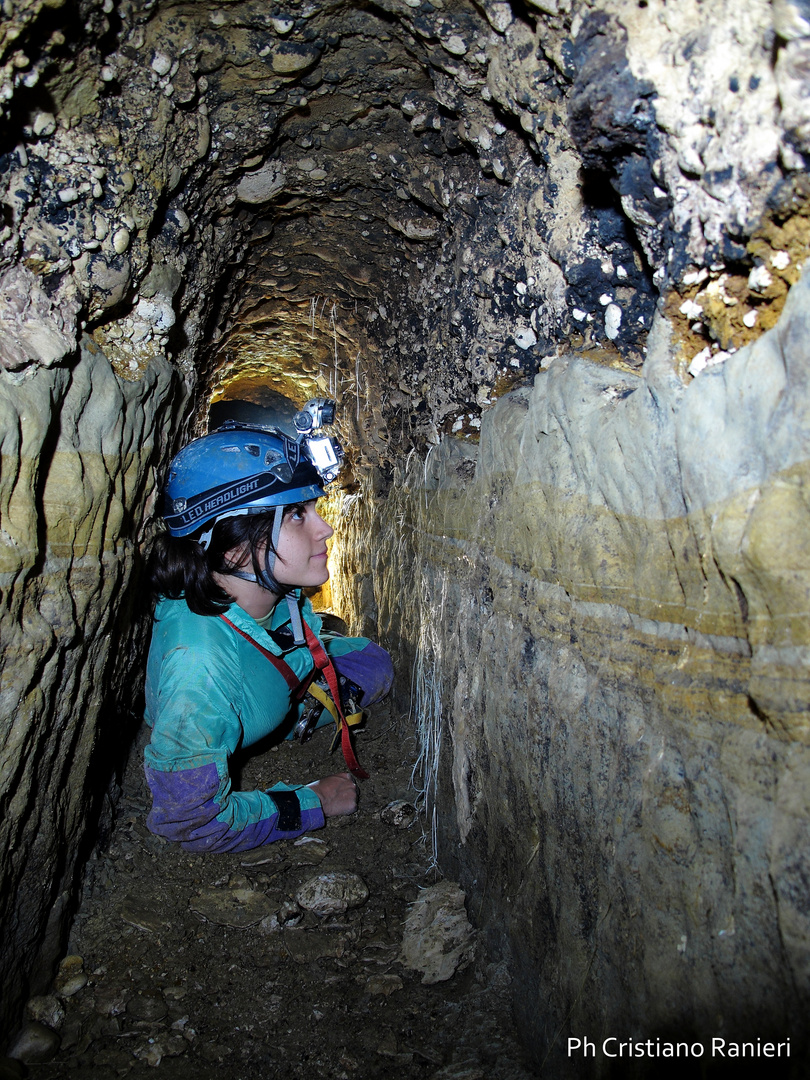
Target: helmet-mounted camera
324,451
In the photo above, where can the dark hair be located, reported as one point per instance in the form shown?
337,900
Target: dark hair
179,567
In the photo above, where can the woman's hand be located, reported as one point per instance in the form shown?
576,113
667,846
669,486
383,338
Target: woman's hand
338,794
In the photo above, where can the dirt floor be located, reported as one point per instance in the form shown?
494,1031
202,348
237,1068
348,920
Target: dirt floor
205,966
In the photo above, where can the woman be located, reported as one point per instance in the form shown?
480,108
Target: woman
229,664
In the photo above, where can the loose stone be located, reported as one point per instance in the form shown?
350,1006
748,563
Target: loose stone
438,936
46,1009
35,1043
400,814
332,893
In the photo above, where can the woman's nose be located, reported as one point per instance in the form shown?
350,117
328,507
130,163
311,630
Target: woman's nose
324,529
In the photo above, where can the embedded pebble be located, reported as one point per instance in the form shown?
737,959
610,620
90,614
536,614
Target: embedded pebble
161,63
35,1043
691,309
44,124
282,24
332,893
525,338
399,813
120,241
499,15
455,45
68,195
438,937
759,279
613,320
292,58
182,219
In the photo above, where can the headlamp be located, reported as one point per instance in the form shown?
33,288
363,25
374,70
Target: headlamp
317,413
324,451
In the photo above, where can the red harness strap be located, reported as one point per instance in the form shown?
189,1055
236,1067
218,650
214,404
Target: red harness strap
324,664
299,688
296,686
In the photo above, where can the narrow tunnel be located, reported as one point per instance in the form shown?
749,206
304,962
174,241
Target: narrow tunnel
546,256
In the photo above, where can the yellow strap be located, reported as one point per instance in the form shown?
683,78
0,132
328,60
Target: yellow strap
329,705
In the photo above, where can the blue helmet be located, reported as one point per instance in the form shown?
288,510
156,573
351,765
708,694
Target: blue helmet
237,469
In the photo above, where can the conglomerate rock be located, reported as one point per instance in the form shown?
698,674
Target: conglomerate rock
418,207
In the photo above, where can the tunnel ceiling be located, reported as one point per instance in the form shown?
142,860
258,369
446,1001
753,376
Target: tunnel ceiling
412,205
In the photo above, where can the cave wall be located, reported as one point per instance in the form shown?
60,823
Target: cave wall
610,639
547,256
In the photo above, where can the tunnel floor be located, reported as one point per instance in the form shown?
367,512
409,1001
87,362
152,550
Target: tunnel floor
170,986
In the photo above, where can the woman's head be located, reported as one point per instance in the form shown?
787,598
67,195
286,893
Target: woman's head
233,471
279,557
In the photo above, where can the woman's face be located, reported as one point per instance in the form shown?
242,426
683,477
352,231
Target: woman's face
301,554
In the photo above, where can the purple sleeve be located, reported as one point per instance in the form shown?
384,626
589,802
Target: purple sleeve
185,808
369,667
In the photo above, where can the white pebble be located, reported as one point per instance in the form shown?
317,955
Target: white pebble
282,24
161,63
750,318
525,338
68,195
691,309
120,241
759,279
182,219
579,314
455,45
780,260
695,277
44,124
613,320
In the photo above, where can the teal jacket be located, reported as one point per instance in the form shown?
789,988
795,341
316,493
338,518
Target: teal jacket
209,693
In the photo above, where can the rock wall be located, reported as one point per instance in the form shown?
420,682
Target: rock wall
610,628
79,453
